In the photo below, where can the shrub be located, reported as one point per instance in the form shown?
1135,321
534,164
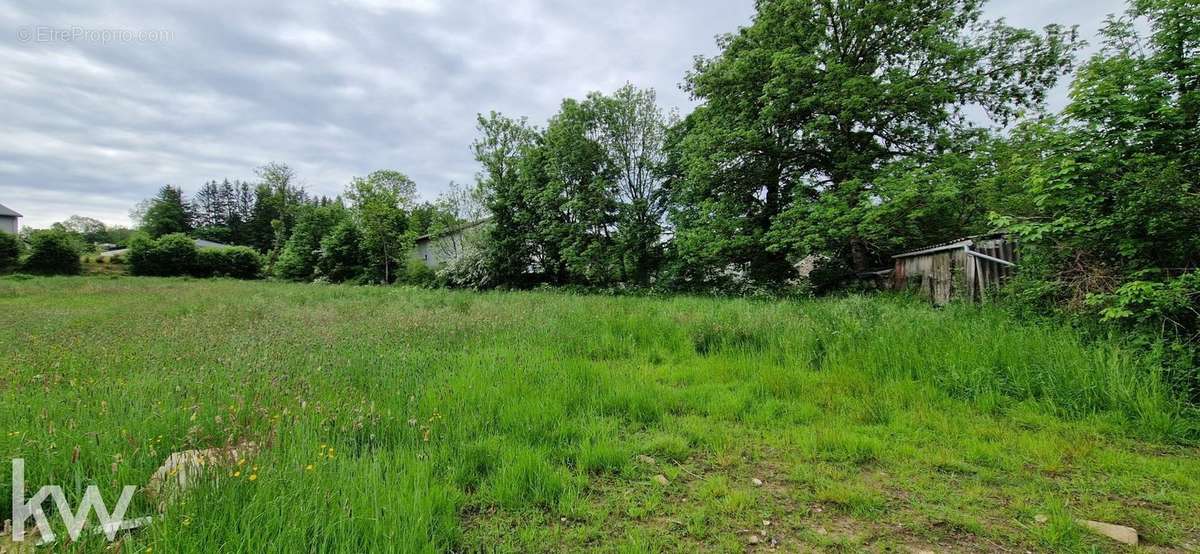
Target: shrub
10,252
468,271
170,255
418,274
52,253
238,262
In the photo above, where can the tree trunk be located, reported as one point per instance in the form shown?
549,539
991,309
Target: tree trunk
858,254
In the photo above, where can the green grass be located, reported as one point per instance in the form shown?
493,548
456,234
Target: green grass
437,420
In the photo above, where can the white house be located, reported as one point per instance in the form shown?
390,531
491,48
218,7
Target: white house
441,248
8,220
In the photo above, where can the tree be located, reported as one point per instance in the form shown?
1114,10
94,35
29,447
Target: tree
633,135
52,252
810,103
577,202
90,231
10,252
342,258
502,150
277,197
167,213
380,204
301,252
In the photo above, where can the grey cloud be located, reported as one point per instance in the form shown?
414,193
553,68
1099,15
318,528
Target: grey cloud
335,88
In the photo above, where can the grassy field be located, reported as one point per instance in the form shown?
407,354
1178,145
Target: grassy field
394,419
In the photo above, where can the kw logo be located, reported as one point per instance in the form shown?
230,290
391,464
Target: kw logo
74,520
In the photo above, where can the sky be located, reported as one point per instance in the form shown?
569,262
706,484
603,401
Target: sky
103,102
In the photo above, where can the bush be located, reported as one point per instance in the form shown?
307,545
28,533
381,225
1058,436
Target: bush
238,262
168,256
10,252
52,253
416,273
468,271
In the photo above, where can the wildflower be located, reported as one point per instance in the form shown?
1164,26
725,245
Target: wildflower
237,474
308,467
253,477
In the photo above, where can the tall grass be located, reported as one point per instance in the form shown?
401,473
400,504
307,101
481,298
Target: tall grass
389,417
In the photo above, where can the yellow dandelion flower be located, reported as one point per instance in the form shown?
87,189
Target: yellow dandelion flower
308,467
237,474
253,477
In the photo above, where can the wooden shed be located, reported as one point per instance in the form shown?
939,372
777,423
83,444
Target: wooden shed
964,268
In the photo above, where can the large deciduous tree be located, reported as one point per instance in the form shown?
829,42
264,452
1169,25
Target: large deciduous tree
380,204
502,148
805,107
633,135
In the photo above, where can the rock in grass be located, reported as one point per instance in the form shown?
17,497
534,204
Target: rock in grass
755,539
1119,533
646,459
757,482
1041,518
181,470
662,480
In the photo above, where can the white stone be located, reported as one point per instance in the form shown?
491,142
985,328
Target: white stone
1119,533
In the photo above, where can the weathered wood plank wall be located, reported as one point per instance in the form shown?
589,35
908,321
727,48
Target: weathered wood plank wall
967,268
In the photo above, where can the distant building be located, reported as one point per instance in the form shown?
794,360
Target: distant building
8,220
438,249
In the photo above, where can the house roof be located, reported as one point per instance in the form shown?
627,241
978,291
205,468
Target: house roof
6,211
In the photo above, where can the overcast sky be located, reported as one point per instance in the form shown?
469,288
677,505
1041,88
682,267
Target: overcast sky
105,101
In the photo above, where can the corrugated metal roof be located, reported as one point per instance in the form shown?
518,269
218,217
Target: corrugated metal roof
5,210
948,245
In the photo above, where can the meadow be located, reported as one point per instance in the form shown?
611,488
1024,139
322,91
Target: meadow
408,420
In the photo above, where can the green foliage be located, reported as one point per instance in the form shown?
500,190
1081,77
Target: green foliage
170,255
52,252
805,108
380,204
342,258
472,269
10,252
167,213
581,202
302,251
237,262
418,274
